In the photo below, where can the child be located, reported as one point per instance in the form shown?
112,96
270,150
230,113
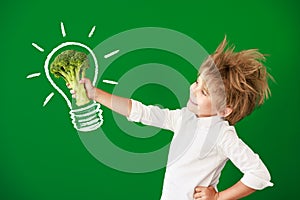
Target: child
229,87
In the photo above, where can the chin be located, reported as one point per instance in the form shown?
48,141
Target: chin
193,108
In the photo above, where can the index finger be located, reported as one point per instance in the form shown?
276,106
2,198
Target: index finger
199,188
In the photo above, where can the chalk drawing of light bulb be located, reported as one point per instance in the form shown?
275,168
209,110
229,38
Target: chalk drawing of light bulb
88,117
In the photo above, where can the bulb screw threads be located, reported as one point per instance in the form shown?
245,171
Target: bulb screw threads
88,118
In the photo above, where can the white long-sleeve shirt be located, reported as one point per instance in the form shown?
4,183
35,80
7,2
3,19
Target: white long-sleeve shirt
199,151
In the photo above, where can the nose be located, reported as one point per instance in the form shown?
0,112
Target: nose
193,88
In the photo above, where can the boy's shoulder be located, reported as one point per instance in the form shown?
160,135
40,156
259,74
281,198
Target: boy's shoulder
228,135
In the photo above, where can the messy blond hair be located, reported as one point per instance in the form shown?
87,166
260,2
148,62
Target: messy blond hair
237,80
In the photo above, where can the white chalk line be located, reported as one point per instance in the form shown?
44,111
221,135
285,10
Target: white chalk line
88,119
111,54
48,98
33,75
62,27
37,47
110,82
92,31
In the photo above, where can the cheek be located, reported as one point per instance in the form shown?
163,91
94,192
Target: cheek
204,102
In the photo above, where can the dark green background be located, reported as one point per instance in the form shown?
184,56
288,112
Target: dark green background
41,154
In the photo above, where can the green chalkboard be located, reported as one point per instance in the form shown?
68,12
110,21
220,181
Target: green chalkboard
44,157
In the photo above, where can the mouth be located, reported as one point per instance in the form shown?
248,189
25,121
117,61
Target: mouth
193,102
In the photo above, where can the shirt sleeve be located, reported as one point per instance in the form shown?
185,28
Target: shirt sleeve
256,175
154,116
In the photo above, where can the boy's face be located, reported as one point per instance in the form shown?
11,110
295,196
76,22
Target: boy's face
200,100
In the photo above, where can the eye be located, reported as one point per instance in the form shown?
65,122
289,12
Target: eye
204,92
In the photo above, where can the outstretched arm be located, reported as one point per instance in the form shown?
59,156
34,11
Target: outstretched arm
118,104
133,110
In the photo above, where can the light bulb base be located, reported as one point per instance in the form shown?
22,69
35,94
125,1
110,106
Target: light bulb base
88,118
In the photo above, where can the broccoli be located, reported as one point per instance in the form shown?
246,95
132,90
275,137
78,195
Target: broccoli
71,66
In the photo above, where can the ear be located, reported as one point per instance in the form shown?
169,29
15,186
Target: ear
226,112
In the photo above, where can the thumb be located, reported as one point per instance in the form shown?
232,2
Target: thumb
83,80
211,188
86,81
88,87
